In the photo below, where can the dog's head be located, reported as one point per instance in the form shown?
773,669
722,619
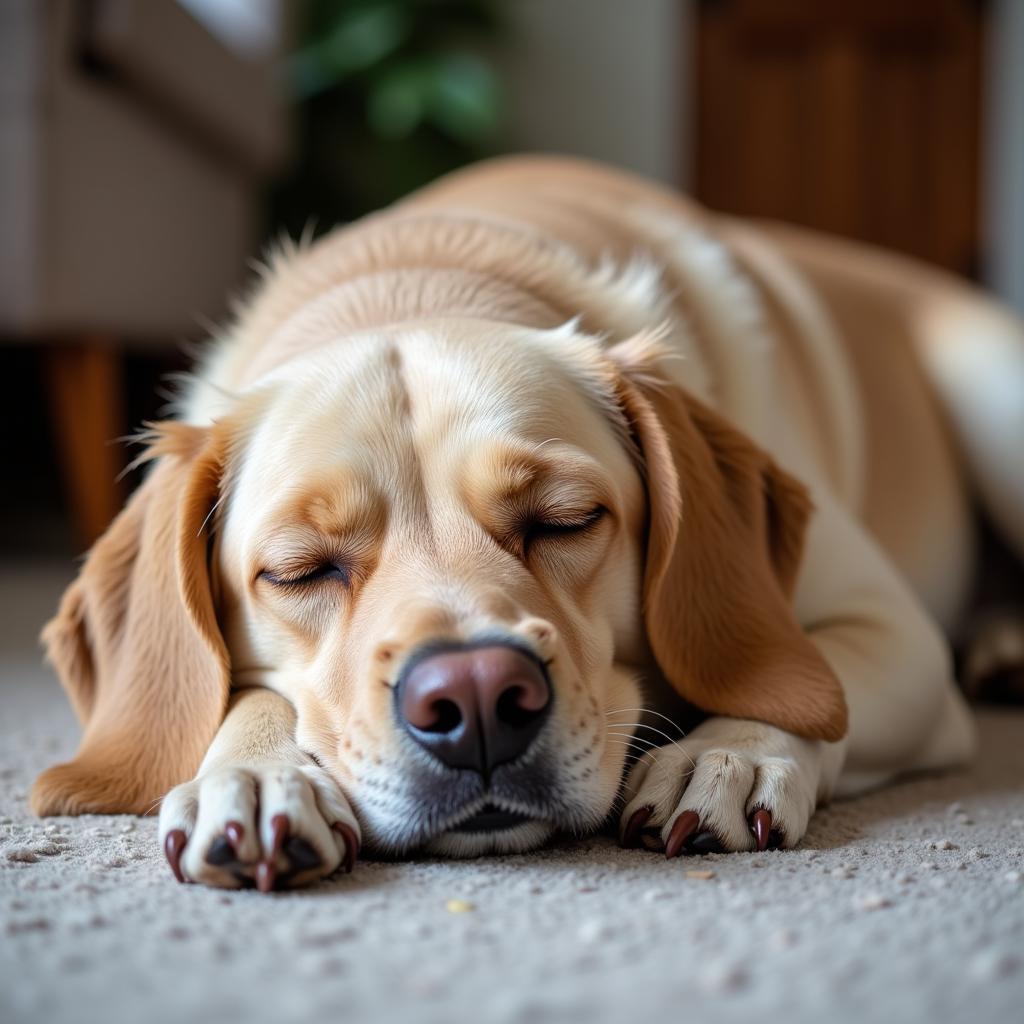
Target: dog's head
455,548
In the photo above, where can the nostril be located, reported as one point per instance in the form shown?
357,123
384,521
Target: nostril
447,717
515,708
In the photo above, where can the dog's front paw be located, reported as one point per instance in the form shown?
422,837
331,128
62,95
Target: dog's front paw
272,826
730,785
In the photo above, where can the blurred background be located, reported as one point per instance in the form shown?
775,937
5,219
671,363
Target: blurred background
149,149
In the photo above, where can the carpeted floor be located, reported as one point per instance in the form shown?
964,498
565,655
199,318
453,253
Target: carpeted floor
906,905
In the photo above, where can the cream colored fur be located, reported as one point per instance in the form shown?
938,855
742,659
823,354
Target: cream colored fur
550,328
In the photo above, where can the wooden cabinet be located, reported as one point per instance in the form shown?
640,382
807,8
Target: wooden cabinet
860,118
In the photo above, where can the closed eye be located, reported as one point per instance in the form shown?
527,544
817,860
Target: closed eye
561,526
328,571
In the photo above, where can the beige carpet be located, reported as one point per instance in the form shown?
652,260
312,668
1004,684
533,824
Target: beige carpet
907,905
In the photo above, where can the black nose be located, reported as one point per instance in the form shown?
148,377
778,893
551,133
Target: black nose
474,707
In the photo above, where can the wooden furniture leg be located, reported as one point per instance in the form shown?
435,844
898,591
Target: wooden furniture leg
87,411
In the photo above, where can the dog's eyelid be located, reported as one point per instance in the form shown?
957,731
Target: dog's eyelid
573,519
328,571
554,525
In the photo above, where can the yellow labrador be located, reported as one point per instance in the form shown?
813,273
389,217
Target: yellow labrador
478,495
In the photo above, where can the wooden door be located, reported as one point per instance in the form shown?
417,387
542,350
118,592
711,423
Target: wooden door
860,118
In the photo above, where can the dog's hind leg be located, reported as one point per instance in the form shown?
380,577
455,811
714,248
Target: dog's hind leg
973,351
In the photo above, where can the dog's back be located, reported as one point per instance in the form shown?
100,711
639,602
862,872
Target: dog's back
863,341
936,365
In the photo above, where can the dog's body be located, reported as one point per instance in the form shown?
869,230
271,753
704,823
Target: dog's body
667,388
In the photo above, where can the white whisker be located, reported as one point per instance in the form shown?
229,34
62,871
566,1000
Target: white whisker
640,725
647,752
647,711
632,736
640,757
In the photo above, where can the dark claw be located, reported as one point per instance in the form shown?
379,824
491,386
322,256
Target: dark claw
351,845
234,831
631,836
761,823
174,846
685,825
279,827
220,852
301,855
265,876
706,842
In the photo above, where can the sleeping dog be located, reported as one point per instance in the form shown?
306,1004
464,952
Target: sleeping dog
480,498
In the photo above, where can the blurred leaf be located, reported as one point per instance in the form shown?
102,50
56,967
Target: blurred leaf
465,100
457,92
390,95
360,38
399,98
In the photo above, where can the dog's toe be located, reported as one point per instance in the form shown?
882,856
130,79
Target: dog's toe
271,826
289,857
724,793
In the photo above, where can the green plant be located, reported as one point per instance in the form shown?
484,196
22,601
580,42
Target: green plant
390,94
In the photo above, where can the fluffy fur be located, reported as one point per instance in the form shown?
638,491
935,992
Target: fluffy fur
539,340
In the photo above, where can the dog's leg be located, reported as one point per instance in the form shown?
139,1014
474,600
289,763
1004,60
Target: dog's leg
895,666
259,811
731,784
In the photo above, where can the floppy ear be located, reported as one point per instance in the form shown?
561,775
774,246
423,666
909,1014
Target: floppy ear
725,536
136,642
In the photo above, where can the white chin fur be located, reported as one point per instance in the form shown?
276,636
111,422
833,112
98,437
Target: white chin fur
518,839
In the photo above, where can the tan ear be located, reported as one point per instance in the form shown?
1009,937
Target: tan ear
136,642
726,528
